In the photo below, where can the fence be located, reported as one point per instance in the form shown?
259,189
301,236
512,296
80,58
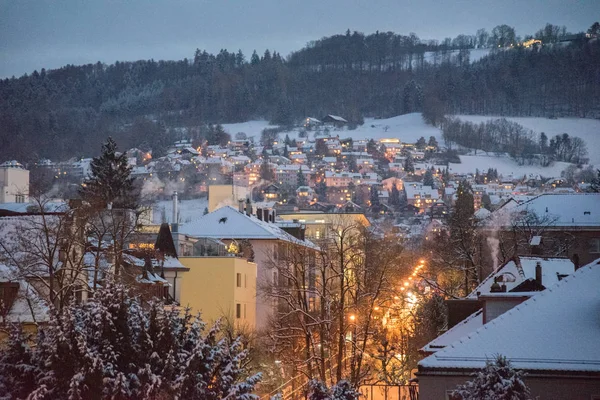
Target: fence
389,392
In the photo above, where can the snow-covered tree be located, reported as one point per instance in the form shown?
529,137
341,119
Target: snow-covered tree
497,381
111,181
117,347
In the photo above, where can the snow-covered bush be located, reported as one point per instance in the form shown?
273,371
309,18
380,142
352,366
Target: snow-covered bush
342,391
116,347
497,381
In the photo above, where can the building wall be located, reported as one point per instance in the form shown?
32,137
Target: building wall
542,388
210,287
14,182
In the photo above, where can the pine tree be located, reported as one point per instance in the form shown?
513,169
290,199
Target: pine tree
301,178
266,172
409,165
428,178
433,142
111,181
498,380
421,143
395,196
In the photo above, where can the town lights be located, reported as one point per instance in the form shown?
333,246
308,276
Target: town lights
352,317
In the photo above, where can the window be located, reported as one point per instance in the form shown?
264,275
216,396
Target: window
595,246
238,310
245,280
238,280
244,311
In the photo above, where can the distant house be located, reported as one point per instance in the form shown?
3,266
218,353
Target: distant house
271,192
552,337
334,120
569,225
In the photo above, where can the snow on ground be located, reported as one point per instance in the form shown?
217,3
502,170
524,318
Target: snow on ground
250,128
585,128
506,166
408,128
189,210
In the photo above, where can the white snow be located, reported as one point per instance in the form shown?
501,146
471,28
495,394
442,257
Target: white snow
506,166
585,128
250,128
555,330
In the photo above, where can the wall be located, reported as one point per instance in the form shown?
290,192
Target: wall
210,287
13,182
542,387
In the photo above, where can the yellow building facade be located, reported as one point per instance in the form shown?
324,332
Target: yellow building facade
220,287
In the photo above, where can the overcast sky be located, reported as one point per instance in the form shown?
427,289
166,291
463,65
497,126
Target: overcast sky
49,34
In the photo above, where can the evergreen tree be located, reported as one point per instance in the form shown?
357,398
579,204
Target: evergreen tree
374,196
421,143
428,178
110,181
395,196
498,380
266,172
433,142
463,234
409,166
301,178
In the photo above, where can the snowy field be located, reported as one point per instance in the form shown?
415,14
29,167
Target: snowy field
506,166
410,127
189,210
585,128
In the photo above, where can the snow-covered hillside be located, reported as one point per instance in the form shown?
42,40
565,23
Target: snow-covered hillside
408,128
585,128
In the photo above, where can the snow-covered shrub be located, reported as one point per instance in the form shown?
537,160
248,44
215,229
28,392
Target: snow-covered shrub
342,391
497,381
116,347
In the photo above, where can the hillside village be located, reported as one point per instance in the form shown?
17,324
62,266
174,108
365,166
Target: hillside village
271,209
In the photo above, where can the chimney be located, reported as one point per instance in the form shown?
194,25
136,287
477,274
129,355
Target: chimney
273,214
495,288
259,214
175,219
241,206
538,273
248,207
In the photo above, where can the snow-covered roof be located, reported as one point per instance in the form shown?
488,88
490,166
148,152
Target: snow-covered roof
228,223
521,268
423,191
458,331
560,210
555,330
28,306
336,118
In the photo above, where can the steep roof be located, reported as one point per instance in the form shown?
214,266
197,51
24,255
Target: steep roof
228,223
164,241
555,330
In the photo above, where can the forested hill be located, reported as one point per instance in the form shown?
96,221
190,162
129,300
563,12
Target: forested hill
67,112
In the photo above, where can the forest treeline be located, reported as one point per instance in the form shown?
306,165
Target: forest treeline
502,136
69,111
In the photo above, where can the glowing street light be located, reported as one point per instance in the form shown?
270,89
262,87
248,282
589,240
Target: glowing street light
352,317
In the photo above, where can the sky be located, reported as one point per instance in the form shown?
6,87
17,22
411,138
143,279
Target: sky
37,34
